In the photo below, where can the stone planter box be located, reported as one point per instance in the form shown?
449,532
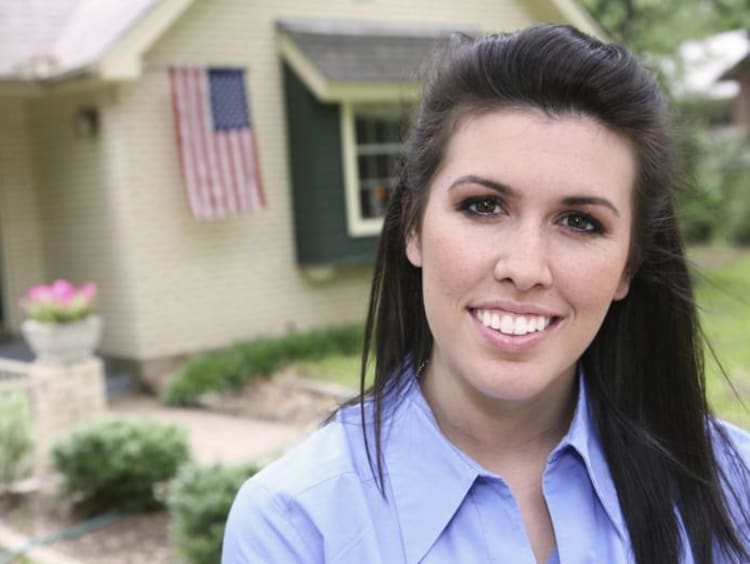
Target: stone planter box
63,343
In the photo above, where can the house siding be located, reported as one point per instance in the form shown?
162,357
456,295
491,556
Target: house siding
207,284
112,209
83,207
317,172
742,105
21,248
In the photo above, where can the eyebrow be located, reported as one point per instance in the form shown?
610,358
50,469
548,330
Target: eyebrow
506,190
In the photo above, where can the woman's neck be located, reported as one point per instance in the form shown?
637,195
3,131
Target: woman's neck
508,437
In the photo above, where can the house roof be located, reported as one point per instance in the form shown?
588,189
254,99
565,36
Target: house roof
45,40
48,41
703,67
365,52
734,73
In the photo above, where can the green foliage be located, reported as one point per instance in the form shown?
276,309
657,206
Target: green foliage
725,317
230,368
198,501
337,369
118,463
715,206
15,436
659,26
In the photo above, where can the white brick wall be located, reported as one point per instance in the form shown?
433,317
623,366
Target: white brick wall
83,207
114,210
21,255
202,285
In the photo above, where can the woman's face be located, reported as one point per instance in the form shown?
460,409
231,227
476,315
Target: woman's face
523,246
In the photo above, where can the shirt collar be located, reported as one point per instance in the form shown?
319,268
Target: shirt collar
429,477
583,436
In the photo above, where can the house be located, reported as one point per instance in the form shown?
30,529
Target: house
90,179
706,73
740,74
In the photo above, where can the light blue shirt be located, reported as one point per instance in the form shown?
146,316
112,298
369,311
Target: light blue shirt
320,503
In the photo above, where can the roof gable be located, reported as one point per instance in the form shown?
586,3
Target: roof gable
42,40
48,41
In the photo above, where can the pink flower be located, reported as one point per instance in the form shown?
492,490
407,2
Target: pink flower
87,291
59,302
63,292
39,293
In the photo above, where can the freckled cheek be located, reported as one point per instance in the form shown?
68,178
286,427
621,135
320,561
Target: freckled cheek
576,283
451,268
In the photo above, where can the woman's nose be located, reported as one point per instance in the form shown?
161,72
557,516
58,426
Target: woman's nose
523,260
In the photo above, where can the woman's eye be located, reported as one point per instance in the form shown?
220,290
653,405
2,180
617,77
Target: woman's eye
483,206
582,222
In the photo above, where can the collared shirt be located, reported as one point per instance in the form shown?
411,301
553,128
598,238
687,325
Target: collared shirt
320,502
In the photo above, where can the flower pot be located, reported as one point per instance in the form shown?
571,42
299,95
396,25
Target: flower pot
63,343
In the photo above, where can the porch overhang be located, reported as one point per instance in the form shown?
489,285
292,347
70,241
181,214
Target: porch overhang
359,61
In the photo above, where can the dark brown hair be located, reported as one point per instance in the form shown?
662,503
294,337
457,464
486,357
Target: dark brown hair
644,368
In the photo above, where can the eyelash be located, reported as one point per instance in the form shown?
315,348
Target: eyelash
592,227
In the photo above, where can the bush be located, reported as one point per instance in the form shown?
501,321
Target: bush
117,463
15,437
714,206
199,500
231,368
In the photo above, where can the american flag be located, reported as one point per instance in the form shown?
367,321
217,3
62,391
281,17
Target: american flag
218,151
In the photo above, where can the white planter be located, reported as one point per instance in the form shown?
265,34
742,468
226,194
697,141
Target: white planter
63,343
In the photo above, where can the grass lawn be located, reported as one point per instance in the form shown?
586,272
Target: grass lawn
339,369
722,291
723,281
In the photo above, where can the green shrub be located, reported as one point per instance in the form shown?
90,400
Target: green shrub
118,463
714,206
738,216
232,367
214,371
15,437
198,501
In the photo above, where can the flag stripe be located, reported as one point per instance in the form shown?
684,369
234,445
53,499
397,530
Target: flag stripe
215,141
188,157
202,176
226,139
235,146
212,183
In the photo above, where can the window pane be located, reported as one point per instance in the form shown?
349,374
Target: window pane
378,140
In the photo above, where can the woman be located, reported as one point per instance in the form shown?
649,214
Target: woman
538,392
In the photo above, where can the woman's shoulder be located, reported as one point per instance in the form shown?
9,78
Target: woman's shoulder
731,446
322,484
733,440
330,452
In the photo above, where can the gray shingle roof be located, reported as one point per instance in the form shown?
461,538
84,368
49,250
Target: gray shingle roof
365,51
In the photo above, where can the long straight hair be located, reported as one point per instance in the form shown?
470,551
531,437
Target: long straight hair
644,368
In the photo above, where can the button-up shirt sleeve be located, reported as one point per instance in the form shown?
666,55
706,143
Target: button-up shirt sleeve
262,528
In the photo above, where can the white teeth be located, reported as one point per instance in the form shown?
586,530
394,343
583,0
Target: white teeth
495,321
519,328
512,324
507,325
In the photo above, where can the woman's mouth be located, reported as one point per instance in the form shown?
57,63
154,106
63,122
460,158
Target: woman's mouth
513,324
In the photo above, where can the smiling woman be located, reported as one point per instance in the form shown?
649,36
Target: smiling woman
538,392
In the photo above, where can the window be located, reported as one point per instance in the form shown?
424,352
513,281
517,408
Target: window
372,149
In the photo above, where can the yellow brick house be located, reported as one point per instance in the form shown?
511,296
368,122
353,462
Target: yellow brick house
90,181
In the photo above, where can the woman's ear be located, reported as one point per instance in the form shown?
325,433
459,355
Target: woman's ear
414,248
623,288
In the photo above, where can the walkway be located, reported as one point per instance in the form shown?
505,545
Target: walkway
216,438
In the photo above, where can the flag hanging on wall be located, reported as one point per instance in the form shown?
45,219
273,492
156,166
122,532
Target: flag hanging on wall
216,142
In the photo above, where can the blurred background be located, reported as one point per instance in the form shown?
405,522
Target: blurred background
209,180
